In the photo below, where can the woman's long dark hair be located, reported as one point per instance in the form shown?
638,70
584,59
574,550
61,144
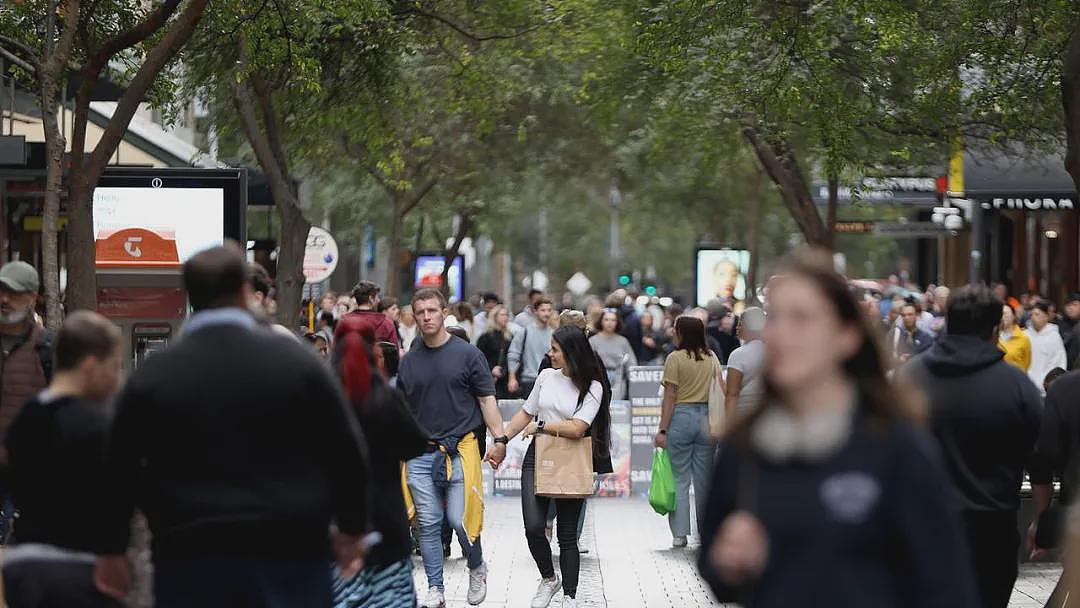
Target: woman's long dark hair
878,398
691,333
583,367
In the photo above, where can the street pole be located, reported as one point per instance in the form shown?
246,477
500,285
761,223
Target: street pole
976,241
615,199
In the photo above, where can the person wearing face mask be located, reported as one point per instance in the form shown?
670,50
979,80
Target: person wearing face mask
827,494
26,355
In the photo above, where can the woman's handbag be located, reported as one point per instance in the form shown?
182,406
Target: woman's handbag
564,467
716,400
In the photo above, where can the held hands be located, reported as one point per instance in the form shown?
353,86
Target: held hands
495,455
740,550
531,429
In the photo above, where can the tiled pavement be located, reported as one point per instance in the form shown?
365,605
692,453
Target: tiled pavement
629,565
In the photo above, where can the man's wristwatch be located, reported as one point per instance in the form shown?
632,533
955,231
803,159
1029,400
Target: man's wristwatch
539,426
503,440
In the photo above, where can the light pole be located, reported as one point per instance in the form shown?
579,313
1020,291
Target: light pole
615,199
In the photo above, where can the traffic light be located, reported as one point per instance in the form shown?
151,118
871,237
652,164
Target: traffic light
624,279
650,290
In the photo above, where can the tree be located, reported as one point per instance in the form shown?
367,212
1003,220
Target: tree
849,84
273,71
143,38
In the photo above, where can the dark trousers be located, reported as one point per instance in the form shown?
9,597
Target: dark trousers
51,584
242,582
534,510
993,541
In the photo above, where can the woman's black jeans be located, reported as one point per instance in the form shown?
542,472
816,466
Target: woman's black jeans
534,510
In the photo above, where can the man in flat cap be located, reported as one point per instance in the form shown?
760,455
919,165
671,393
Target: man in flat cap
26,356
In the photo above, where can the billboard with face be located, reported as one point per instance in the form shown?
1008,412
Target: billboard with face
721,274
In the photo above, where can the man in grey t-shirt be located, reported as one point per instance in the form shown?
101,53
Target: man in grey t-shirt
528,348
746,365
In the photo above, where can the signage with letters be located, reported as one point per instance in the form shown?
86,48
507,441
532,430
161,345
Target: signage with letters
1030,204
646,395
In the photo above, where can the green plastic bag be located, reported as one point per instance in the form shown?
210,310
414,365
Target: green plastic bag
662,487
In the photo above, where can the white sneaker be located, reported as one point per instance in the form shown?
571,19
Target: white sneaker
477,585
568,602
434,599
547,590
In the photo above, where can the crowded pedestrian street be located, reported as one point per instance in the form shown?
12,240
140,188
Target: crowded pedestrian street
558,304
630,563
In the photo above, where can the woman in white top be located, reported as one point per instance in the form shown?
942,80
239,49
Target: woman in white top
569,400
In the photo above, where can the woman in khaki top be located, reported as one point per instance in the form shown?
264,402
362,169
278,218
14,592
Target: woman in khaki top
684,422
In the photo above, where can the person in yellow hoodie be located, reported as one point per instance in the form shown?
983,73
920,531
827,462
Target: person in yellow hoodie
1013,341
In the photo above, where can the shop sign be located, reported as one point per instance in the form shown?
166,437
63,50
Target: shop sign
1030,204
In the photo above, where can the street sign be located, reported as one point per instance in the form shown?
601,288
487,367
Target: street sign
579,284
899,230
320,255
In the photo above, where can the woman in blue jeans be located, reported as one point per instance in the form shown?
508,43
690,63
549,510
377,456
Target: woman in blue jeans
684,422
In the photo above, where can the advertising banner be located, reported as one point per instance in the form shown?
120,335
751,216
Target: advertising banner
646,394
153,227
428,273
617,483
721,274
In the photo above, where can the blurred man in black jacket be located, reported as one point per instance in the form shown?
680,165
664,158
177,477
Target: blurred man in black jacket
238,446
985,415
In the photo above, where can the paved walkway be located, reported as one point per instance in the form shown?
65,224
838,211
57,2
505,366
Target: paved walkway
630,563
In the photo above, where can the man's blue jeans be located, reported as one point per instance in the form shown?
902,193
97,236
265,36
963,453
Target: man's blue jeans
428,500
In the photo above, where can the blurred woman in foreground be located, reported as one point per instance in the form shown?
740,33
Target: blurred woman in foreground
826,495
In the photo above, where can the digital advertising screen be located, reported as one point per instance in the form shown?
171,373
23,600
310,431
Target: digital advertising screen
721,274
428,273
156,226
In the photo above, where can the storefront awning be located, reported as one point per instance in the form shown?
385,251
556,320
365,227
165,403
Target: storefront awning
1017,179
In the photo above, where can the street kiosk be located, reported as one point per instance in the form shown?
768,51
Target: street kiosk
147,223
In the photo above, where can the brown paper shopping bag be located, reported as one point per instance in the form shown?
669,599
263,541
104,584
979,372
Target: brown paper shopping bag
564,467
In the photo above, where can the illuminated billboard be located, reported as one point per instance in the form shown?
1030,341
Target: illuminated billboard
427,272
148,227
721,274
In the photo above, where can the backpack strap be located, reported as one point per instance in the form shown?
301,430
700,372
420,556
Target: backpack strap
44,348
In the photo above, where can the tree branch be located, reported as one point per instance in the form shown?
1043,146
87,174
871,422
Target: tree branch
466,33
265,98
417,194
156,60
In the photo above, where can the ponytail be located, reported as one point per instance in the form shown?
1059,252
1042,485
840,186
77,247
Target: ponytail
354,368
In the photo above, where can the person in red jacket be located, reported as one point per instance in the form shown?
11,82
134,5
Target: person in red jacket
367,313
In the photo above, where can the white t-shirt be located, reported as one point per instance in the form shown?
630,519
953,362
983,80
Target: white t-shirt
750,360
554,398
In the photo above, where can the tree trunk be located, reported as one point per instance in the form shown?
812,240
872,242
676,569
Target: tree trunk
1070,99
85,172
53,67
290,265
294,226
783,168
464,227
393,260
830,223
755,238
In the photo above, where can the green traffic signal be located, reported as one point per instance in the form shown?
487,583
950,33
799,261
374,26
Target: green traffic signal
650,290
624,279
